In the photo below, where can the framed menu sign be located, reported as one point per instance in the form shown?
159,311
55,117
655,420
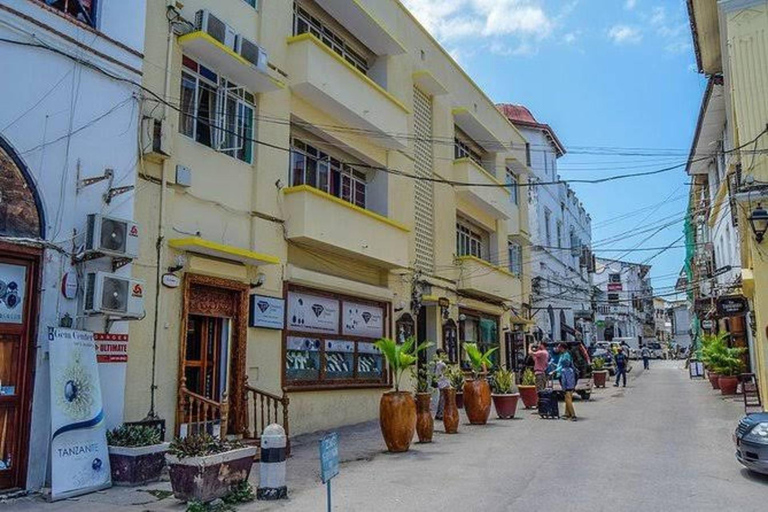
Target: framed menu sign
362,320
312,313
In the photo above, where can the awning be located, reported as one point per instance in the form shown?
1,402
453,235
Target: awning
226,252
363,25
480,133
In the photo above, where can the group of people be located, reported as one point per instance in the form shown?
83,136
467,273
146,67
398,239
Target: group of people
563,370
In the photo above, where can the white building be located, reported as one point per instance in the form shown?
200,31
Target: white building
623,301
68,148
662,319
681,324
561,235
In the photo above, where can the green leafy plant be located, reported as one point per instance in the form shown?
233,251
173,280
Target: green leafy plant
423,380
598,364
529,378
503,382
133,436
455,376
478,360
713,346
240,493
400,357
199,445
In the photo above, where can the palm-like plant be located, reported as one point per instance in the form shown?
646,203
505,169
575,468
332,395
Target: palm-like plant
478,360
503,382
400,357
713,347
728,362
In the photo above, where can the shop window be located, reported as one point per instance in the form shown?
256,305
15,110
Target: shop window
81,10
330,341
480,329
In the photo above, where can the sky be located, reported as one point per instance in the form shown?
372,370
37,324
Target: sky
616,80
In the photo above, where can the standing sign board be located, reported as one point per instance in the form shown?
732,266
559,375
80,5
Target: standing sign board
266,312
329,461
696,369
79,456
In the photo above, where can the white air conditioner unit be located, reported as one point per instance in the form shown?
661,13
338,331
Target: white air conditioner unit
112,237
155,141
114,295
251,52
214,27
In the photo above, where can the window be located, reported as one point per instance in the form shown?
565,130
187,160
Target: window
528,154
613,299
215,112
470,241
512,181
559,234
480,329
614,278
548,226
310,166
304,22
253,3
515,258
464,147
82,10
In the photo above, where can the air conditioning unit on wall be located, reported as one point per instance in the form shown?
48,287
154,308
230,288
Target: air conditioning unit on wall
251,52
214,27
111,236
114,295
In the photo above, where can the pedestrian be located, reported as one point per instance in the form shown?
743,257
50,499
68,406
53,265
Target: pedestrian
645,353
441,369
568,379
564,356
621,367
540,356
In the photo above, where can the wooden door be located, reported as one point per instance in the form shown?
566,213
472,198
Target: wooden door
18,291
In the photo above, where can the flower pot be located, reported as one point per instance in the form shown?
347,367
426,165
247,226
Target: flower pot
529,395
450,411
728,385
137,466
397,418
477,401
209,477
459,399
599,377
505,405
714,380
425,424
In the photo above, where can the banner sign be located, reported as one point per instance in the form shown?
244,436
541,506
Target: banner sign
111,348
311,313
267,312
615,287
13,280
79,456
734,305
363,320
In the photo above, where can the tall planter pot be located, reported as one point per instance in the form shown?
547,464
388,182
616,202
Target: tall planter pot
599,377
728,385
477,401
714,379
209,477
397,418
505,405
137,466
425,424
529,395
450,411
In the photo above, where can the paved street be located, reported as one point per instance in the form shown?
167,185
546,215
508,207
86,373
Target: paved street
663,443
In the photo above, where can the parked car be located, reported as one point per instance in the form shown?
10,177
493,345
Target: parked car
657,351
751,439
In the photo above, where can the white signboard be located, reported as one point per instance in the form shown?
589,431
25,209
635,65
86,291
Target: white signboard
363,320
79,456
267,312
13,279
311,313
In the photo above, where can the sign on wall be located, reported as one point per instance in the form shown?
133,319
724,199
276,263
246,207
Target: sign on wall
111,348
12,293
615,287
79,457
363,320
266,312
733,305
312,313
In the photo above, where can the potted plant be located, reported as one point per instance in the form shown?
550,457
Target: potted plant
397,409
456,376
204,468
136,454
599,373
425,424
505,395
712,348
527,389
729,365
477,391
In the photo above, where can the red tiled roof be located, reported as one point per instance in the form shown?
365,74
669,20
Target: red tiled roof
521,116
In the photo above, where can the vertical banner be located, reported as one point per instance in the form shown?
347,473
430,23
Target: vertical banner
79,456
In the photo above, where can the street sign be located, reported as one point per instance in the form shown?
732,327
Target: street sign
732,305
329,461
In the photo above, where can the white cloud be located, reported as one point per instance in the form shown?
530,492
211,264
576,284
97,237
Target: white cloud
625,34
571,37
630,4
673,30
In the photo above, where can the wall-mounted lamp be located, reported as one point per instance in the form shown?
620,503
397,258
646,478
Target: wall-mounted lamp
759,222
261,278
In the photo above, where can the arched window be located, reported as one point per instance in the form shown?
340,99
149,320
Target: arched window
405,327
20,208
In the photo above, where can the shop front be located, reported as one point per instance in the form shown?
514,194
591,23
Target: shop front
480,328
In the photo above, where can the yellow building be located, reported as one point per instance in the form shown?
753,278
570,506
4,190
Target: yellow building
731,40
298,186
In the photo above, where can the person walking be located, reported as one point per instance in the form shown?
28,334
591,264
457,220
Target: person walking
564,356
645,353
621,367
441,369
568,379
540,356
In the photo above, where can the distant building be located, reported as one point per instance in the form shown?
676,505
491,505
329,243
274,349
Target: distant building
662,320
623,301
681,323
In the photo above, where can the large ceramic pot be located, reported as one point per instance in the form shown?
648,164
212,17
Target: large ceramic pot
137,466
728,385
209,477
529,395
425,424
714,379
505,405
477,401
460,399
450,411
397,418
599,377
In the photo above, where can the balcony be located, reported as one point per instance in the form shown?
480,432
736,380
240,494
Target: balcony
493,200
326,80
478,277
318,219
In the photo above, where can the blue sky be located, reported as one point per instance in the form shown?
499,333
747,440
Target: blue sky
607,75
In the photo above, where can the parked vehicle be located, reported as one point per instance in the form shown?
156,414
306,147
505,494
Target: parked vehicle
751,439
657,351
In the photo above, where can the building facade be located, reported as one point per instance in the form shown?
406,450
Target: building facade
680,315
662,320
623,301
561,234
68,149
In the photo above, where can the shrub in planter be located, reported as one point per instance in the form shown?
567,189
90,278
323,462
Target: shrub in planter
599,373
477,391
204,468
397,409
527,387
456,376
505,395
136,454
729,365
425,424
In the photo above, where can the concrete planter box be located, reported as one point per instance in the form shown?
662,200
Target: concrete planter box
137,466
209,477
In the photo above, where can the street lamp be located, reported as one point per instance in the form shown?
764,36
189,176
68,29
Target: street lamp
759,222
